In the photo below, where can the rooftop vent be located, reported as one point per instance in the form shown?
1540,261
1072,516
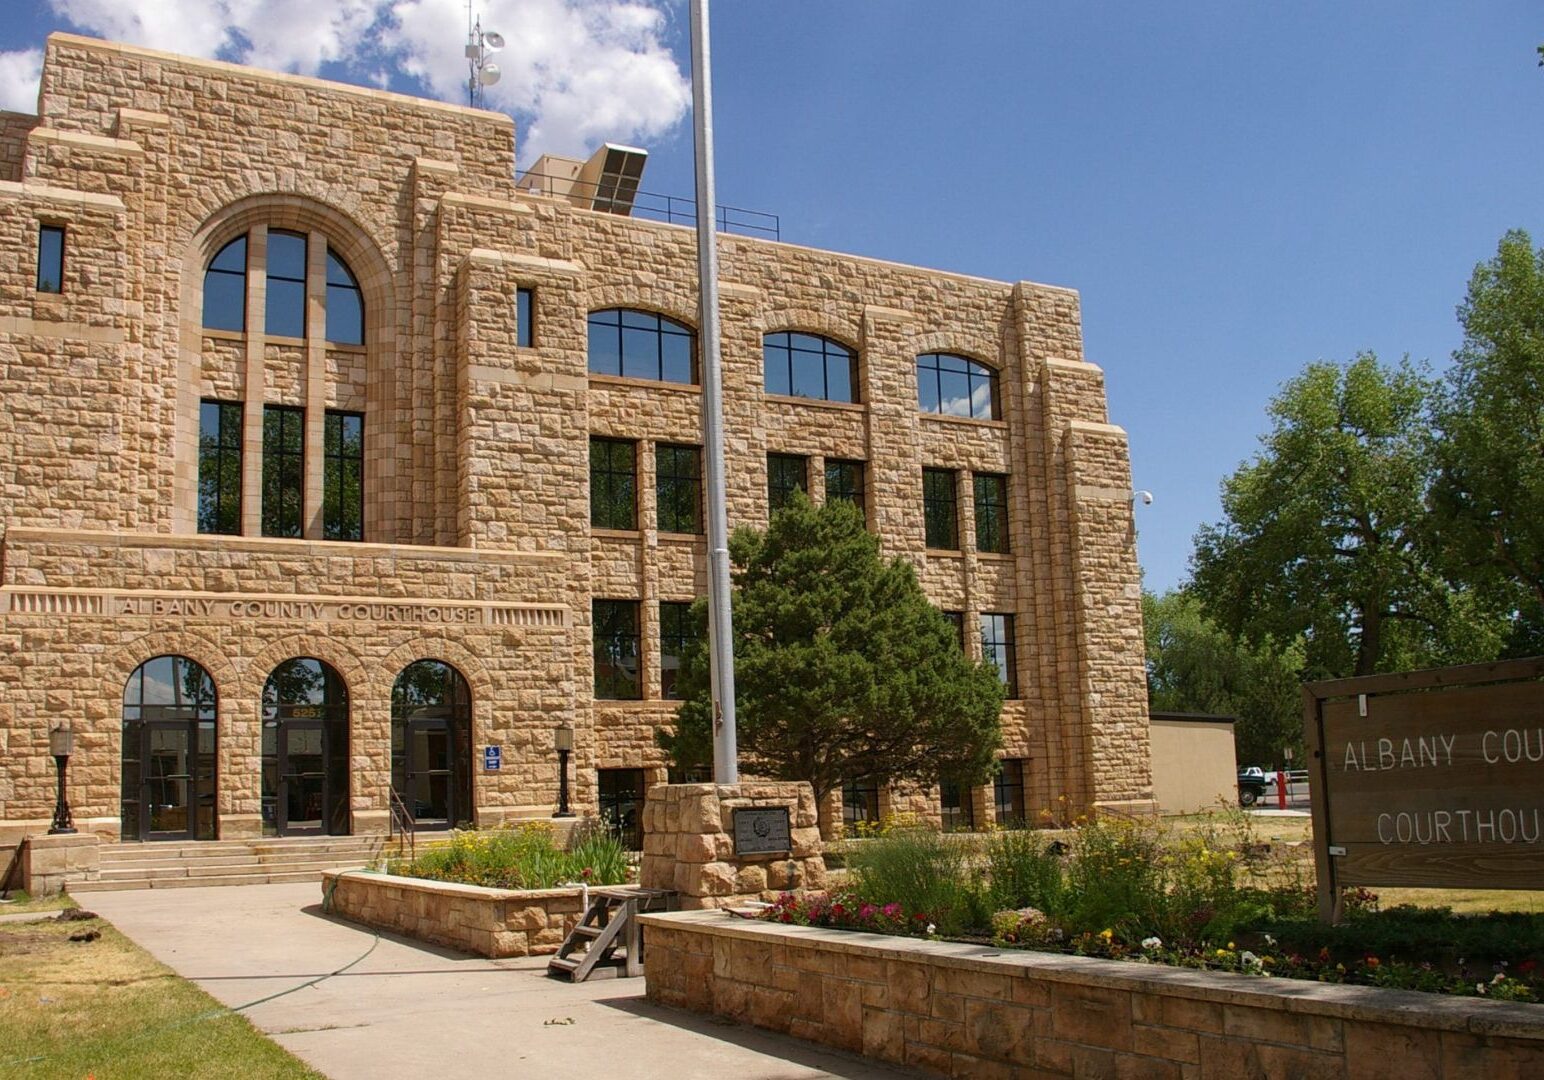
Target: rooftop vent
608,182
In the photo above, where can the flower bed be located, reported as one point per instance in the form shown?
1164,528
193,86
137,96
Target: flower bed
524,856
488,922
1204,899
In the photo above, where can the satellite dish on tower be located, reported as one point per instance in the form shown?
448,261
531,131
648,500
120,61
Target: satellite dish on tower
494,39
480,73
489,74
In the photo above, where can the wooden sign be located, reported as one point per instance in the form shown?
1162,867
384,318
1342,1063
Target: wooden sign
1429,778
759,831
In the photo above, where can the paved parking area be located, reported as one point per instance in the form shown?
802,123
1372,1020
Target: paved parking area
405,1009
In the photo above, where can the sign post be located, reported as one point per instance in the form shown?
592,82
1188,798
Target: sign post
1429,779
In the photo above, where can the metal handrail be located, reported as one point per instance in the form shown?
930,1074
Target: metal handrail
401,823
673,209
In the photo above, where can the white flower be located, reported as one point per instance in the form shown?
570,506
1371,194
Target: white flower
1270,941
931,929
1152,942
1248,960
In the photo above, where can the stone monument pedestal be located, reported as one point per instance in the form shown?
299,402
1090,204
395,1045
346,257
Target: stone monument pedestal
690,842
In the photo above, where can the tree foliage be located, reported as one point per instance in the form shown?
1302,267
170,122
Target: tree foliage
843,669
1323,535
1488,498
1194,666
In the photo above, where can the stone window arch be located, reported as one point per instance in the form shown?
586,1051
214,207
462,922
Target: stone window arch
431,744
952,385
636,344
168,751
305,765
805,365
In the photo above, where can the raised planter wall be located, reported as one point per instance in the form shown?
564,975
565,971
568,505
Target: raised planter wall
980,1012
488,922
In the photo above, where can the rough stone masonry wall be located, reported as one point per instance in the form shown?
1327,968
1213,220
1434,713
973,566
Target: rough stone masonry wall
689,846
488,922
987,1014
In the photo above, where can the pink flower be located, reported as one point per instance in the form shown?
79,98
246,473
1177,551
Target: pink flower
892,910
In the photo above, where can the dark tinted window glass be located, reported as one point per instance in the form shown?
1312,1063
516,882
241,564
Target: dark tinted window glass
958,619
938,509
50,259
641,345
286,312
844,481
1008,792
525,329
786,473
860,803
225,288
343,477
616,649
621,795
955,802
219,467
613,484
345,304
678,488
997,648
677,634
991,513
283,470
809,366
955,386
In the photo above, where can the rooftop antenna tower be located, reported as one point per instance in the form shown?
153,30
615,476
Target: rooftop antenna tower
480,71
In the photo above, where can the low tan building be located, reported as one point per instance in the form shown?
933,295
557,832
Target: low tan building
1194,764
333,464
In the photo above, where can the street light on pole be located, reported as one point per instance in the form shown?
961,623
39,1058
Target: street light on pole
726,769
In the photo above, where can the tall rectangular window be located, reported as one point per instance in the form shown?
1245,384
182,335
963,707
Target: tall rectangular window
616,649
677,634
343,476
991,513
954,802
860,803
678,488
958,619
939,513
997,648
286,312
1008,792
786,473
219,467
525,312
50,258
621,795
284,469
844,480
613,483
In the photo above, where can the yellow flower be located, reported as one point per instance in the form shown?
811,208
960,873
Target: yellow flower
1107,933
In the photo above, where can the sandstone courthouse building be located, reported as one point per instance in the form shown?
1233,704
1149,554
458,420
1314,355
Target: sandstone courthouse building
330,458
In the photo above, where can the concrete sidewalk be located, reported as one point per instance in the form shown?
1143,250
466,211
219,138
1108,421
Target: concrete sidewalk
406,1009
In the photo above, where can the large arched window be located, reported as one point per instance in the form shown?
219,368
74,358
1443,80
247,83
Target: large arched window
168,751
641,345
305,750
809,366
954,386
431,744
287,268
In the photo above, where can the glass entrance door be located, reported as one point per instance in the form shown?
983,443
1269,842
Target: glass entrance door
302,795
166,779
428,768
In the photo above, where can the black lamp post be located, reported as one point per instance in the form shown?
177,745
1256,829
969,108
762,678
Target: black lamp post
563,739
61,744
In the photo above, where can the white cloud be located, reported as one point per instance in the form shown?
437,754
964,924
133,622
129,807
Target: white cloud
19,73
575,72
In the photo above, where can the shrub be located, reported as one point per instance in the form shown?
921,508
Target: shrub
924,872
520,857
1023,871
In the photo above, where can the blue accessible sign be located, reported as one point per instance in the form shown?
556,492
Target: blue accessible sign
493,758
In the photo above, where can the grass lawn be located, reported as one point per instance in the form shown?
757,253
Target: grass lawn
19,902
105,1009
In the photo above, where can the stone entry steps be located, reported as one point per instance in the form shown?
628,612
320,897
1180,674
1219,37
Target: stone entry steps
230,862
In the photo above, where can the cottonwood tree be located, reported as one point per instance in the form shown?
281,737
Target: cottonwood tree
1195,666
843,669
1323,534
1488,498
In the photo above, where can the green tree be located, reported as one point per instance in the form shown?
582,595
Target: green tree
843,669
1323,531
1488,499
1193,666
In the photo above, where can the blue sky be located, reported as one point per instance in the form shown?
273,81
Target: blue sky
1235,188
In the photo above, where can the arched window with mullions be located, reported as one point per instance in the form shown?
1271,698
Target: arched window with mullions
954,386
287,269
305,750
225,288
168,751
431,744
809,366
345,303
641,345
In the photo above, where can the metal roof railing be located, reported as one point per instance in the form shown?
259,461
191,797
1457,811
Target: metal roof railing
672,209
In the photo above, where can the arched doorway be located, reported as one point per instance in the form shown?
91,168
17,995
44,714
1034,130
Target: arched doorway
431,744
305,750
168,777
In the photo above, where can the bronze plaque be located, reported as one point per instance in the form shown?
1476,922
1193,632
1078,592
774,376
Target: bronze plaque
762,831
1425,780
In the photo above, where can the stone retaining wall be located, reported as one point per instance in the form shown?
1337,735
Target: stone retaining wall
980,1012
488,922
